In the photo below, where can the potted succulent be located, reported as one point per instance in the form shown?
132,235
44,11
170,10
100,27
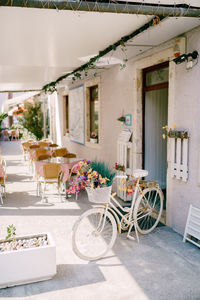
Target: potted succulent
25,259
93,137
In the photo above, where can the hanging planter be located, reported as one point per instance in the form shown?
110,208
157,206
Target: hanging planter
179,134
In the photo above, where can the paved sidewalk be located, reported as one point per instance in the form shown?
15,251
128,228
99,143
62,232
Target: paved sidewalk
160,267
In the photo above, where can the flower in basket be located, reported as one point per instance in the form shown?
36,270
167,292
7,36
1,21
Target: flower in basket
90,174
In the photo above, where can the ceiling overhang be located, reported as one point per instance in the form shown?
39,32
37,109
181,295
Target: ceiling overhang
40,45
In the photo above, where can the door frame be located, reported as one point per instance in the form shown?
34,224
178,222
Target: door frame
150,88
150,59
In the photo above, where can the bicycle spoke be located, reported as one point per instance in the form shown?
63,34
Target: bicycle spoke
149,209
94,234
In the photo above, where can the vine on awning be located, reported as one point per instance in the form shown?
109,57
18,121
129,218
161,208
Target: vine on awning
82,71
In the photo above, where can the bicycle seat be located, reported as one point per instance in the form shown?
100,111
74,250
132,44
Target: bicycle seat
140,173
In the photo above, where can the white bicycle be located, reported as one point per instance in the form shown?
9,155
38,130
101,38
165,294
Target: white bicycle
95,231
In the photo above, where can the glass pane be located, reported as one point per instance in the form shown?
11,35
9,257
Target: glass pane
94,110
94,116
157,76
156,115
67,112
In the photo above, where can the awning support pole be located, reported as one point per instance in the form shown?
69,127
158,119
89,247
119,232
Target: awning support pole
121,7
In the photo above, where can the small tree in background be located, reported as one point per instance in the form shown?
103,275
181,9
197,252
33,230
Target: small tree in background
2,117
32,119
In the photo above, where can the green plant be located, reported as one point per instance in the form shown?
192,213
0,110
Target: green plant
11,232
2,117
32,119
93,135
104,170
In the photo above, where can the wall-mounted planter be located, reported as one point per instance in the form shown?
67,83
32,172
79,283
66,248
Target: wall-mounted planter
179,134
28,265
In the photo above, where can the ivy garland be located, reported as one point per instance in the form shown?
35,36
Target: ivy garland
83,70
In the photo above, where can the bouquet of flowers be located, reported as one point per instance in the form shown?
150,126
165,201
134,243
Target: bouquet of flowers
89,174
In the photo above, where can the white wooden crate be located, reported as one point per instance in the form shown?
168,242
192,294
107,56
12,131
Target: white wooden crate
192,228
124,158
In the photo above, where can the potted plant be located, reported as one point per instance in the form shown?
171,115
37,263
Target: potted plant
93,137
95,177
25,259
67,133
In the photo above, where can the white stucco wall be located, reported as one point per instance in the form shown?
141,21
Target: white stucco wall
120,91
186,114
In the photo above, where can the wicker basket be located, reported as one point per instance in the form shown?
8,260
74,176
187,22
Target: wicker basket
148,184
99,195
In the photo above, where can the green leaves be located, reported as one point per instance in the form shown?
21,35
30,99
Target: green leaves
33,119
11,232
104,170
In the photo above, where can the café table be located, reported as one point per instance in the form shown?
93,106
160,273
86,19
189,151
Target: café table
66,166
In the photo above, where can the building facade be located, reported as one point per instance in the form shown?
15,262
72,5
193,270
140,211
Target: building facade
152,91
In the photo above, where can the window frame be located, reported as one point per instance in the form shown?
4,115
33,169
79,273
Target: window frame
65,96
88,85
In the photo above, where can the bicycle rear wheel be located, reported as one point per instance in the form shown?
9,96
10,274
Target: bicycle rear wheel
94,234
148,210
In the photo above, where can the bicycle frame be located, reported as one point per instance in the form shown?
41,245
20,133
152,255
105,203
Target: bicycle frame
111,207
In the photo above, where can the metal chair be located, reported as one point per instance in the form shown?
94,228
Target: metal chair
70,155
2,182
43,157
6,135
51,174
53,146
60,152
43,144
40,151
34,147
25,149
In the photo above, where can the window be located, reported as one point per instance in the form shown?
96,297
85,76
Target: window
93,113
66,113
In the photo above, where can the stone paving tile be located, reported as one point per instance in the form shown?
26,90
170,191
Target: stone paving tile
160,267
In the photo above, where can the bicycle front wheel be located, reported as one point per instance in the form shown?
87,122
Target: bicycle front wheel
94,234
148,210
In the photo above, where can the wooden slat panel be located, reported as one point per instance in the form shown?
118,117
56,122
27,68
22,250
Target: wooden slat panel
178,159
172,144
192,228
185,160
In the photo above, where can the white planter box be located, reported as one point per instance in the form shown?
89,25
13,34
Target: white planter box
28,265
